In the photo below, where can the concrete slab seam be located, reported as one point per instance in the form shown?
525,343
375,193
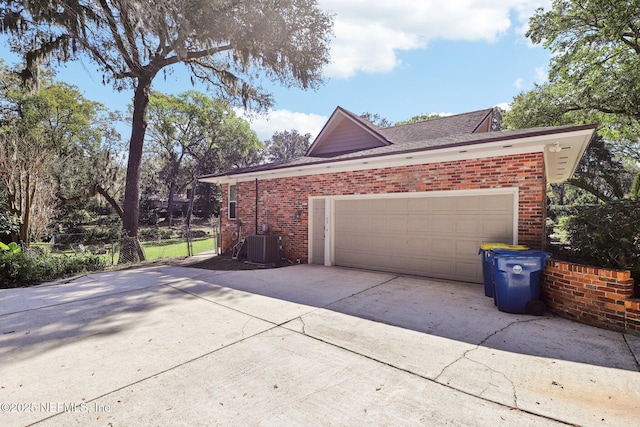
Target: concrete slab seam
253,316
434,380
633,355
360,292
157,374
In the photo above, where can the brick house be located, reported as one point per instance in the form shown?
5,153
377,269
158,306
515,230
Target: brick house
416,199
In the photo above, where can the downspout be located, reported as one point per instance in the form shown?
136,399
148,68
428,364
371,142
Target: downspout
256,206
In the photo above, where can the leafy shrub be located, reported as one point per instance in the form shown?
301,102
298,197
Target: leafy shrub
9,224
148,234
20,269
606,235
198,234
154,233
12,247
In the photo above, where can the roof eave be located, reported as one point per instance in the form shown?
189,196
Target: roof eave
558,168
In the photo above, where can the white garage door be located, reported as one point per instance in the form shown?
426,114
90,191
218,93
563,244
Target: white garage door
427,236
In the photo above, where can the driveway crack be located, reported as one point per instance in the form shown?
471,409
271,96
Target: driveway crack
466,353
633,355
304,332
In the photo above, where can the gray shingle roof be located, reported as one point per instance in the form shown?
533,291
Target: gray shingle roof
436,128
425,144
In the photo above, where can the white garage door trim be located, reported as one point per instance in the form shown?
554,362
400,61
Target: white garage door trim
329,213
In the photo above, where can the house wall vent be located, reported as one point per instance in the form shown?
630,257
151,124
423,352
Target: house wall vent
263,248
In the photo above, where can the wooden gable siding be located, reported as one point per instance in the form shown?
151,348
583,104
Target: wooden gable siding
485,126
347,136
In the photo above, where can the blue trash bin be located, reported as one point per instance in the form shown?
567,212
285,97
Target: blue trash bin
487,263
517,278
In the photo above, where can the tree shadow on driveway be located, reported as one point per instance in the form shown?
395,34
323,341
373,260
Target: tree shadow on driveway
452,310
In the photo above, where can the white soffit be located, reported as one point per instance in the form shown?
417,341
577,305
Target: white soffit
562,152
562,156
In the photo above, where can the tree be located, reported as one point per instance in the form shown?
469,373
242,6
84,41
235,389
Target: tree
287,145
224,43
595,47
229,140
419,118
544,105
187,131
174,125
376,120
51,150
23,173
600,172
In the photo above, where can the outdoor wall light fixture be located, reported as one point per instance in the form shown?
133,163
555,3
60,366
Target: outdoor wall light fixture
298,214
555,148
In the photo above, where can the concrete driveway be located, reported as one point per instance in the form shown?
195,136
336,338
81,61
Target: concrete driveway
302,345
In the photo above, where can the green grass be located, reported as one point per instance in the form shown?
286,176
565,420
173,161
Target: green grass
154,250
172,248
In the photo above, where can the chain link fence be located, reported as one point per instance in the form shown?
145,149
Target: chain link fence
151,244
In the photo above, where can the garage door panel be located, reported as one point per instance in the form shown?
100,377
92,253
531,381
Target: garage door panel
443,247
352,206
419,245
467,248
469,226
442,267
498,226
431,236
375,223
392,244
375,206
356,224
468,204
419,225
442,224
395,205
467,270
496,204
418,205
439,204
397,224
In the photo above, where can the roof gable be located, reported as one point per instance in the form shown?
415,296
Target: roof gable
345,132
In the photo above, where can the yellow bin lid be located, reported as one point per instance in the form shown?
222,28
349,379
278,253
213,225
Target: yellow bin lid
489,246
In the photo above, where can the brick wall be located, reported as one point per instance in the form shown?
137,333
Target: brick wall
280,199
595,296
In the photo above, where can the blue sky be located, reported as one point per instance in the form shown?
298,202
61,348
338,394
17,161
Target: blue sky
396,58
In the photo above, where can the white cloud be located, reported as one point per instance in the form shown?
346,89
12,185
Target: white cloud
370,33
504,106
541,75
518,83
265,125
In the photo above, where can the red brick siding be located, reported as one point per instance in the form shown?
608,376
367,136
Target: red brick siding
632,308
279,199
595,296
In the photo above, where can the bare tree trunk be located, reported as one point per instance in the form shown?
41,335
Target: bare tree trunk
170,204
131,206
96,189
26,218
111,201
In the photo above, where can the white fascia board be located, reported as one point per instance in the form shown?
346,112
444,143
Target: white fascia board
506,147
